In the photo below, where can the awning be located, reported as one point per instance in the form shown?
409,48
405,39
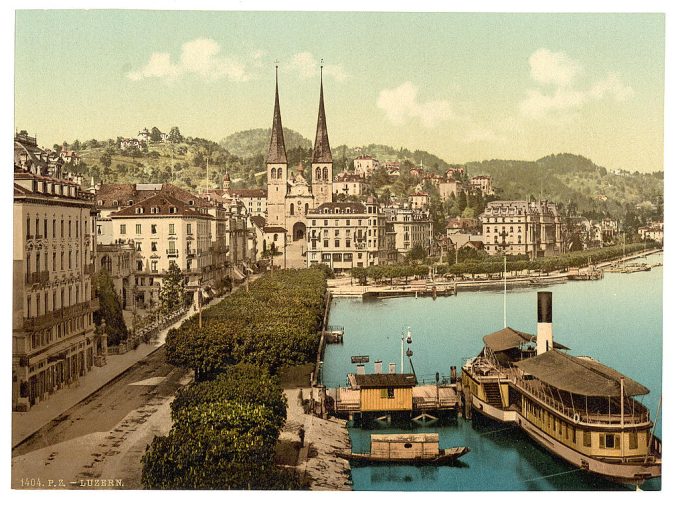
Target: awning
579,375
237,274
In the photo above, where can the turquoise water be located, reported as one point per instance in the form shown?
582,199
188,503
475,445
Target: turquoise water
617,320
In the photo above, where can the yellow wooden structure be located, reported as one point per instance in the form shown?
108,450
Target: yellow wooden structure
405,446
386,392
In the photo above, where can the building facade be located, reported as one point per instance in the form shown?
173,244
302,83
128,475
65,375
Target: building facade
522,228
365,165
346,235
53,332
350,184
482,184
410,227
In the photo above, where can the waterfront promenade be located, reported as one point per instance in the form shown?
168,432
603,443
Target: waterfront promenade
345,286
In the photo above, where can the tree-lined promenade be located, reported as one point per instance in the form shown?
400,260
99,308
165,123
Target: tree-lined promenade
488,265
226,425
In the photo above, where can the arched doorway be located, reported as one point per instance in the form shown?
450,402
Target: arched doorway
299,230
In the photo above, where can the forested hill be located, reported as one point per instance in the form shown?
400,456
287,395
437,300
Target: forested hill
571,178
255,142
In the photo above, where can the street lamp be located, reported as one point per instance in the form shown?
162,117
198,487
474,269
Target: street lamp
408,353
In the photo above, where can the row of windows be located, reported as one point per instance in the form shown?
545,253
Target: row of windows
495,229
73,261
337,257
154,229
64,227
348,222
37,304
65,328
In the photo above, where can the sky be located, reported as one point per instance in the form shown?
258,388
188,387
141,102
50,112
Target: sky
464,86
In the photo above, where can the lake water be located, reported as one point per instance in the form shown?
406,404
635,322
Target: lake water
617,320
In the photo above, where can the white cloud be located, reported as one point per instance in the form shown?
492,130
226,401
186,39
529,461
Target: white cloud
548,67
201,57
559,96
306,66
401,104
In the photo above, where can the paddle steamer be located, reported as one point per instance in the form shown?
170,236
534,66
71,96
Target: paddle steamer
574,406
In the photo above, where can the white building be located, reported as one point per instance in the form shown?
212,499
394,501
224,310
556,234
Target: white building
53,332
346,235
522,228
365,165
410,227
350,184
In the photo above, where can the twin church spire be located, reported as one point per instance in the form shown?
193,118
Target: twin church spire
277,146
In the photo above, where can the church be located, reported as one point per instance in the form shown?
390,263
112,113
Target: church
289,194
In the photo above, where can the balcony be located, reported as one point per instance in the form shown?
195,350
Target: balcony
51,318
191,252
37,277
172,253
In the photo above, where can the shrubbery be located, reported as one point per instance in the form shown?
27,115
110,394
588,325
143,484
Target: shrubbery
223,436
277,322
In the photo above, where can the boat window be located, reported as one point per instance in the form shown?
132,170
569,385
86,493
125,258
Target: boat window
408,446
610,441
586,439
633,440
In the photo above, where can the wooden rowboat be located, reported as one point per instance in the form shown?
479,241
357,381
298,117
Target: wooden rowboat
407,449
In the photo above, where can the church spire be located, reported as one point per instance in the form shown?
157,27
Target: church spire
322,149
277,146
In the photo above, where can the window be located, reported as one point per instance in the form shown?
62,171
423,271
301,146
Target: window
140,265
171,228
45,228
610,441
273,172
99,230
633,440
387,393
337,243
188,228
54,261
292,209
279,173
318,173
138,246
325,173
138,228
348,243
154,246
54,228
153,229
325,243
154,266
337,257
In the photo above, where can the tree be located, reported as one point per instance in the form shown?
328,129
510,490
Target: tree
155,135
462,202
418,252
174,135
110,309
172,293
105,159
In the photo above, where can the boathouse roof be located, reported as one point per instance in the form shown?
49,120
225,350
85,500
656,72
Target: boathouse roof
508,338
386,380
579,375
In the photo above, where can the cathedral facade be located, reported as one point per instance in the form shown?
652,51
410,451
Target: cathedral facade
290,196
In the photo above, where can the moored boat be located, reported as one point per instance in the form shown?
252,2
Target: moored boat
407,448
574,406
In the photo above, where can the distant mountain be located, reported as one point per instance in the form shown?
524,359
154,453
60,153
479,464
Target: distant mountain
568,178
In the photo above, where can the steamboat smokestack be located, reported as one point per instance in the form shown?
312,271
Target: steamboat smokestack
544,335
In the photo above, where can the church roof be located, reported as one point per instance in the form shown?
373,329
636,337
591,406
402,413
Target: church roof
277,146
322,148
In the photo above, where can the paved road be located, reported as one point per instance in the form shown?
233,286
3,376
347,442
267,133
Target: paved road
105,435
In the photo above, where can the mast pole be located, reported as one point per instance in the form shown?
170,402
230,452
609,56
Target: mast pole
622,433
505,292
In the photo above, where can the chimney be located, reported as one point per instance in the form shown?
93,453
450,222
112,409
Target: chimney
378,366
392,368
361,369
544,335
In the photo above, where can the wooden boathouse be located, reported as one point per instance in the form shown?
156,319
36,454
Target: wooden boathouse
381,395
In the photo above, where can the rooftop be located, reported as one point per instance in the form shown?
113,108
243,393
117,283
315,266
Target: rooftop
386,380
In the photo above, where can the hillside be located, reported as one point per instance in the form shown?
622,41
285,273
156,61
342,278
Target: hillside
563,178
570,178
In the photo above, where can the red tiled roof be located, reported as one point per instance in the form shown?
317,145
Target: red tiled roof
248,192
163,202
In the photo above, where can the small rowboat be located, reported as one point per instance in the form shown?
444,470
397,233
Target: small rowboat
406,448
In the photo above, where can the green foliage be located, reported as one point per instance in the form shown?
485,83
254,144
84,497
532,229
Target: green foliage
577,259
110,309
174,135
277,322
171,295
417,253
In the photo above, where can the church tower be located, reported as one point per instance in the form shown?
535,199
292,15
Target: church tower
322,160
277,167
